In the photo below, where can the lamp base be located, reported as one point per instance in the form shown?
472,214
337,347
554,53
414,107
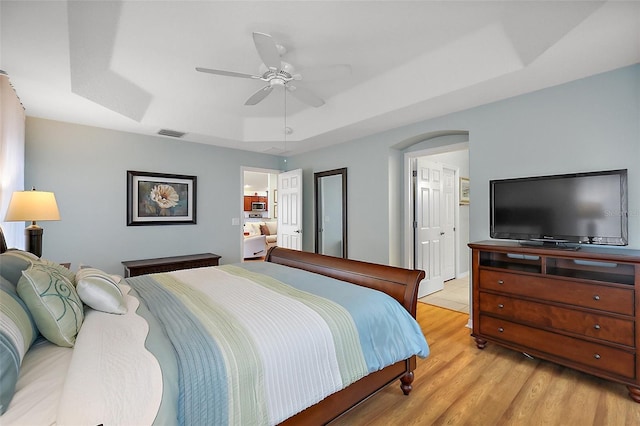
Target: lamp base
33,239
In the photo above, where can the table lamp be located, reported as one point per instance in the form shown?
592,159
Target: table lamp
29,206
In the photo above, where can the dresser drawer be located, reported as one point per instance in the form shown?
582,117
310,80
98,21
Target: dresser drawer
597,326
603,358
611,299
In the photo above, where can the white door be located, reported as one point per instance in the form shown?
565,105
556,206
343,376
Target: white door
429,226
290,209
449,223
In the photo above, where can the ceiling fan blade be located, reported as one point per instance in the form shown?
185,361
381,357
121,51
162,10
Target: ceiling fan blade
305,96
332,72
226,73
267,50
259,95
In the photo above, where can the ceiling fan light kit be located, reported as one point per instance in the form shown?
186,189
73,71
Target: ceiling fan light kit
278,73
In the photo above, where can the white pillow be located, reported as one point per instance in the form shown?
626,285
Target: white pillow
254,228
100,291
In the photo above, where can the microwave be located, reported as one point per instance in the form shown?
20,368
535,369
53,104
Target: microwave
258,206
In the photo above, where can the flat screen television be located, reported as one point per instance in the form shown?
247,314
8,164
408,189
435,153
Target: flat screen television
577,208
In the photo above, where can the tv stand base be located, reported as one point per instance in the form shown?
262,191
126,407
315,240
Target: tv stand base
480,343
578,309
634,393
555,245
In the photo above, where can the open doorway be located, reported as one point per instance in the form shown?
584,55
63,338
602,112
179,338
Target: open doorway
437,221
259,217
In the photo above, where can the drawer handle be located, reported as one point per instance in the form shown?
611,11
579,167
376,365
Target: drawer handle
500,305
500,329
596,356
596,297
500,282
597,326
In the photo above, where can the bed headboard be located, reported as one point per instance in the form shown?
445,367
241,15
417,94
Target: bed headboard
3,242
399,283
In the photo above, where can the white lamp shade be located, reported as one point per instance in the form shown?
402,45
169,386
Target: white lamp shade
32,206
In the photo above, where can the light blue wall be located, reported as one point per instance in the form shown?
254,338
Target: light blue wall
368,191
588,124
87,167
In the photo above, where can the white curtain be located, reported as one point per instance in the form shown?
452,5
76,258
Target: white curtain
12,128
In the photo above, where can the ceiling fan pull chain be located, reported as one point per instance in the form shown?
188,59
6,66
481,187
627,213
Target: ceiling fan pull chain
285,120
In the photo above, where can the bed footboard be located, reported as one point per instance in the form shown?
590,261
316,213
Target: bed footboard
399,283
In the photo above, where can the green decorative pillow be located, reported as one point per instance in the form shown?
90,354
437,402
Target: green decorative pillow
17,333
69,274
53,302
100,291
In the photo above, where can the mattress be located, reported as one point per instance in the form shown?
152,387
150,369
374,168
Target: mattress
250,343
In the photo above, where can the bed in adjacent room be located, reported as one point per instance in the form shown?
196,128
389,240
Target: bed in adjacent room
299,338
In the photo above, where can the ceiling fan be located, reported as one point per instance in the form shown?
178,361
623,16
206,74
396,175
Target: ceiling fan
277,73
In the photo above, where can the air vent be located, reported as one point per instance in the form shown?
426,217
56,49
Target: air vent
273,150
171,133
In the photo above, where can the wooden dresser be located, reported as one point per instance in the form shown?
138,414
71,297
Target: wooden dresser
167,264
579,308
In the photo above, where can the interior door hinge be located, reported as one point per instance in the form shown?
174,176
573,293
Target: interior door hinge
414,173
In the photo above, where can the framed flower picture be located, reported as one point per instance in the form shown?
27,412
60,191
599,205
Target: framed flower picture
464,191
160,199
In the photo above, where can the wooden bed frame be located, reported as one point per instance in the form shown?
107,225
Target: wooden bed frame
399,283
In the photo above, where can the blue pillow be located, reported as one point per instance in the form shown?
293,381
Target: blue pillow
12,263
17,333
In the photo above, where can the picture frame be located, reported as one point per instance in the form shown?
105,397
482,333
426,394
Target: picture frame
160,199
464,191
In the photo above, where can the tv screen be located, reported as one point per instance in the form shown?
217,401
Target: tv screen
584,208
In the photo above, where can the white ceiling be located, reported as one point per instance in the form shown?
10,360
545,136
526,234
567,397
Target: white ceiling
256,182
130,65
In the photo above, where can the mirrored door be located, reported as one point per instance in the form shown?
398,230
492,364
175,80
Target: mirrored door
331,212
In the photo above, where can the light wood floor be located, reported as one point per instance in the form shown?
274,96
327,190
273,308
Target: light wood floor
459,384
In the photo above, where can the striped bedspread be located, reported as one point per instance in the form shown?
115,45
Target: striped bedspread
256,343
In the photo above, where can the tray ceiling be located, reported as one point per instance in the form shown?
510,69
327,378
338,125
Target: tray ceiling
130,65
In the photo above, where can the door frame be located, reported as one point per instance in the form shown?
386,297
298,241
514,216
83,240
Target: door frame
408,183
241,222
